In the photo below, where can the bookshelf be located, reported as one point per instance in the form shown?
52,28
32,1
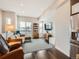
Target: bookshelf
35,30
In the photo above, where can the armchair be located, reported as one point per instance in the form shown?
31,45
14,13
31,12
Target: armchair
14,54
7,51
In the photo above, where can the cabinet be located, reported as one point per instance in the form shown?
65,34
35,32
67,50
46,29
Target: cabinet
35,30
74,51
75,15
75,22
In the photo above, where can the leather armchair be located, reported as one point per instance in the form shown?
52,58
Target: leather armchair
14,54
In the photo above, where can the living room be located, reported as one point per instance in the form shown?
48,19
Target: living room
38,29
23,33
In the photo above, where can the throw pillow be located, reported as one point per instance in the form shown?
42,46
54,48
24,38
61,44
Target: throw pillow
2,49
3,45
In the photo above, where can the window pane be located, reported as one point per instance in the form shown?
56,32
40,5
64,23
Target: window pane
25,28
22,24
28,24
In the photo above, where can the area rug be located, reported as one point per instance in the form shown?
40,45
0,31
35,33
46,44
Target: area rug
35,45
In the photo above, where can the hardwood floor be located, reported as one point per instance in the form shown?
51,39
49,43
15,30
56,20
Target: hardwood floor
43,54
46,54
51,53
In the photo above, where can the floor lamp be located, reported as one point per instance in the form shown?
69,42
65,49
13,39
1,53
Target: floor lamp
9,28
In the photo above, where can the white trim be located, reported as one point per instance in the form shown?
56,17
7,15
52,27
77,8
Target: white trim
62,51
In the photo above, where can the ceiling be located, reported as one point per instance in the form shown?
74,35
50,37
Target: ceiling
32,8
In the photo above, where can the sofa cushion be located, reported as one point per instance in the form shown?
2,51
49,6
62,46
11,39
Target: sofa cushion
3,50
3,46
14,45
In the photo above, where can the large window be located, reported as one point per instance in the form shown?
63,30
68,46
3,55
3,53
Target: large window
25,27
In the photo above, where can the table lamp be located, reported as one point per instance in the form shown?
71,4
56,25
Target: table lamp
9,28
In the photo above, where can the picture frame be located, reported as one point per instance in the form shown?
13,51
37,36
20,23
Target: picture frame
48,26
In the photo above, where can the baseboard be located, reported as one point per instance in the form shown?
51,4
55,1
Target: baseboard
60,55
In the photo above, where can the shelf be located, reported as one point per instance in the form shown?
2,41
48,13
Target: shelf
35,30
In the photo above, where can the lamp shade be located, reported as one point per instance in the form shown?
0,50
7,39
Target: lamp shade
9,28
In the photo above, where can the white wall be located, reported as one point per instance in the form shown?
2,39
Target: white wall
60,15
0,21
62,26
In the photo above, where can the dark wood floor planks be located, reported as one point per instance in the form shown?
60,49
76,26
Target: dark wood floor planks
43,54
46,54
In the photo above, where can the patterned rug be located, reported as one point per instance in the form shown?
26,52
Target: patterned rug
35,45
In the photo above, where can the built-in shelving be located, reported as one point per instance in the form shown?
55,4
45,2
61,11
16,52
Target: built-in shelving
35,30
74,52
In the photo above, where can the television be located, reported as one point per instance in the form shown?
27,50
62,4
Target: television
48,26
